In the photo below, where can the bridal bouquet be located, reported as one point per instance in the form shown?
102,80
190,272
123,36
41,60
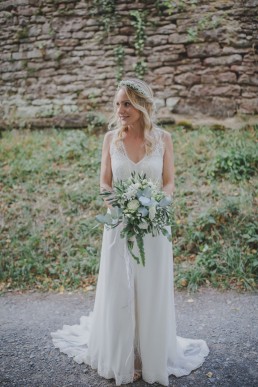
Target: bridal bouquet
141,207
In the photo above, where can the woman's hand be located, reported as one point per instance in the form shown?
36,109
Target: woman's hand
105,170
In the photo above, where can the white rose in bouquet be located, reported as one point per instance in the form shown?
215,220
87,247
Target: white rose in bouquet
143,226
133,205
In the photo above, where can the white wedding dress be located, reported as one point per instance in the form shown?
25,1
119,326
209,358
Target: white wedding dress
133,316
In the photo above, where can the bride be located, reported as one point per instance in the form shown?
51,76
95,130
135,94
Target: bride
131,332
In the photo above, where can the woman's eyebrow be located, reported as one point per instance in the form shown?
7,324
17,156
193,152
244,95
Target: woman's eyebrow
126,100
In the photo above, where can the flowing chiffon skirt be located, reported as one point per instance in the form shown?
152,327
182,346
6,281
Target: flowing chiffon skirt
133,317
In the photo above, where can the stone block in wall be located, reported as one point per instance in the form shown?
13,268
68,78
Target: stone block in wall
74,87
248,106
159,103
7,66
216,34
92,92
69,109
246,79
32,111
213,90
178,38
251,56
217,106
164,80
194,67
173,49
224,5
126,30
187,79
119,39
71,61
164,116
170,59
164,70
6,56
166,29
241,43
34,30
234,50
65,79
249,92
151,65
223,107
223,60
19,55
243,69
202,50
212,78
34,54
14,76
172,102
157,40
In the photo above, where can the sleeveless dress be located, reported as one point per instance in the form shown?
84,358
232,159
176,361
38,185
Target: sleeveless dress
134,314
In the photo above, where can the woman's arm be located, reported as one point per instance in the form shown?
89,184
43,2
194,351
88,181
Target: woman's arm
168,165
105,170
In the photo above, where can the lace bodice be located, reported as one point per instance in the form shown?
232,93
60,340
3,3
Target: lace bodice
151,164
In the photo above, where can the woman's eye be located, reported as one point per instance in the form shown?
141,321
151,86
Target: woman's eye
127,104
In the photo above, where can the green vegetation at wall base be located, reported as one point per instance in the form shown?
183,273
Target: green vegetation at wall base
49,185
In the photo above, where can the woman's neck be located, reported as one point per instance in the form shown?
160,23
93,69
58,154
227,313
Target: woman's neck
135,131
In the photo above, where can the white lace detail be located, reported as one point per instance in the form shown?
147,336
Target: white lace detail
151,164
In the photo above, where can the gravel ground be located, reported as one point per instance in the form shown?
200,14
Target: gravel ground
226,320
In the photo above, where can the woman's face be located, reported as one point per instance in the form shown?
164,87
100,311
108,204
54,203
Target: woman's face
126,112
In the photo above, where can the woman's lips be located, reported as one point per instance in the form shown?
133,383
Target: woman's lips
123,117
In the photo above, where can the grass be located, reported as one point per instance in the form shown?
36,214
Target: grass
49,198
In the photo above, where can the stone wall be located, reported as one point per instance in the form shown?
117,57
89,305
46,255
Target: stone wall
58,58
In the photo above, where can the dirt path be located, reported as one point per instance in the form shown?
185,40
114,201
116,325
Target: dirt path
227,321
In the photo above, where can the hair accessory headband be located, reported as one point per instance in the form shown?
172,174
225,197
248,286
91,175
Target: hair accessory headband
133,85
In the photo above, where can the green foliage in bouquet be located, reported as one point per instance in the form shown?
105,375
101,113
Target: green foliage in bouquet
141,207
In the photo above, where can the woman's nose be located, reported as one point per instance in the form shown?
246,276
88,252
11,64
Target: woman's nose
120,108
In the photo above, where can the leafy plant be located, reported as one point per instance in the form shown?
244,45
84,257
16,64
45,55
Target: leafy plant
171,6
96,122
139,22
237,164
192,33
22,33
106,9
119,56
140,68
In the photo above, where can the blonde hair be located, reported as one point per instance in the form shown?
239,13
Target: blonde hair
141,97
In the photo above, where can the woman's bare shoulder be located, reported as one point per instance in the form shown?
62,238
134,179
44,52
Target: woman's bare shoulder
164,133
109,136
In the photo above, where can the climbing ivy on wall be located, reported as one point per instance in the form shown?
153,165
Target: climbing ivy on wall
138,21
119,53
106,10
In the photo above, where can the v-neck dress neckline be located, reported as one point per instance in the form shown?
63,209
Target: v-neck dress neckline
126,154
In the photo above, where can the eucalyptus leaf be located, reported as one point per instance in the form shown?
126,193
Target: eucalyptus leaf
106,219
147,192
116,212
143,211
165,202
145,201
